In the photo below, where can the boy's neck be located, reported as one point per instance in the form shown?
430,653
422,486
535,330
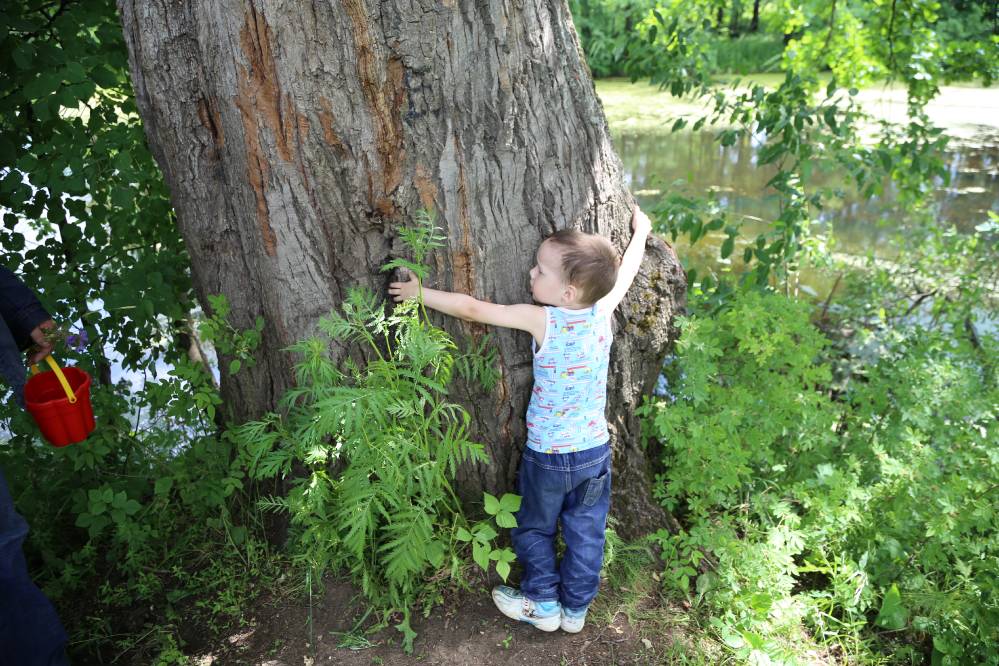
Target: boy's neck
575,307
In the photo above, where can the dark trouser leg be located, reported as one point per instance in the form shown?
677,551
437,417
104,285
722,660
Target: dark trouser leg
541,489
584,519
30,630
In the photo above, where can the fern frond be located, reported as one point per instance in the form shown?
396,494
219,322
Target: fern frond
256,440
272,503
357,513
478,364
406,539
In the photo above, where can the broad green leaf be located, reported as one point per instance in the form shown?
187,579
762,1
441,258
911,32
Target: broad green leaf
163,485
510,502
506,520
483,532
893,614
727,246
480,553
492,504
435,553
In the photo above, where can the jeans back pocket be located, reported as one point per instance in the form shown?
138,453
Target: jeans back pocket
595,488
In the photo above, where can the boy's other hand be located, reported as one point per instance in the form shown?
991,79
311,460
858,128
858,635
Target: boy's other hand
402,291
43,345
640,221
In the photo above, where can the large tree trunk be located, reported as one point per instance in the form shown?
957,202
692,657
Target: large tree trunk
296,137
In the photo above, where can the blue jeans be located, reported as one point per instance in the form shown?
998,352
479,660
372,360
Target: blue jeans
30,631
572,489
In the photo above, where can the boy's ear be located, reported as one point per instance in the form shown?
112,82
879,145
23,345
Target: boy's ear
570,293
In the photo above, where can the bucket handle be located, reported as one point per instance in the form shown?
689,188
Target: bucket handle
59,375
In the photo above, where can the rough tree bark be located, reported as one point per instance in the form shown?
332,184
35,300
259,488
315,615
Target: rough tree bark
297,136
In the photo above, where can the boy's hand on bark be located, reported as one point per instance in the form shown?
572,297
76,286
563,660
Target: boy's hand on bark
640,221
402,291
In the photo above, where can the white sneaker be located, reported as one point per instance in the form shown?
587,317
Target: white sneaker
545,615
573,621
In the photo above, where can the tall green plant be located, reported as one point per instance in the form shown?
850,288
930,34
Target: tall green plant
381,443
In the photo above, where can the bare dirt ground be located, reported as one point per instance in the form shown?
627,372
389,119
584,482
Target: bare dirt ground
467,629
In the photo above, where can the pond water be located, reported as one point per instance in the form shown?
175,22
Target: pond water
655,160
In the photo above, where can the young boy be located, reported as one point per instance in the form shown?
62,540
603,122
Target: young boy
564,473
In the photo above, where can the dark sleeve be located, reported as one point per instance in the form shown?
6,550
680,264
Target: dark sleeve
19,308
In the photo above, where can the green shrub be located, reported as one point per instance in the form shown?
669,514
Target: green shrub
748,54
857,503
150,511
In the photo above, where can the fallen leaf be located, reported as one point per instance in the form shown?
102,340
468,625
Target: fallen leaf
647,643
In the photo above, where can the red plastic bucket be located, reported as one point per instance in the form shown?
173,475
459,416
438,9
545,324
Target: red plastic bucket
59,401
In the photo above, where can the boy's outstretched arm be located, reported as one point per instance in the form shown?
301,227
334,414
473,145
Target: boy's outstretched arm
641,226
524,317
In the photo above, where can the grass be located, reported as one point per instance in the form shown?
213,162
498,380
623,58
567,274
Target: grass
633,593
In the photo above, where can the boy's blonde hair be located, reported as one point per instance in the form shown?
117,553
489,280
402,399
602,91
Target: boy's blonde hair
589,263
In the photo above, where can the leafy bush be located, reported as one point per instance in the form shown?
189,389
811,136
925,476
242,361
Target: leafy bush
150,512
777,465
748,54
608,32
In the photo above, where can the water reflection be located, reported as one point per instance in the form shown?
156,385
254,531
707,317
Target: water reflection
653,163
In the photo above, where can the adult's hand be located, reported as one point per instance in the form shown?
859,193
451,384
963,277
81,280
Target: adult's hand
43,346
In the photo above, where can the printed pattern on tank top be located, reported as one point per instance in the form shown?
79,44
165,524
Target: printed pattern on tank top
566,412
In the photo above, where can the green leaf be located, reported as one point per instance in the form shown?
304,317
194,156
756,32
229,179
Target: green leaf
408,635
484,532
755,640
492,504
506,520
74,72
893,614
732,638
234,366
43,86
480,553
463,535
507,555
238,535
23,54
510,502
727,246
435,553
503,569
163,485
104,77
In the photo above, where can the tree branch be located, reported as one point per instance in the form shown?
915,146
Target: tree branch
891,36
832,26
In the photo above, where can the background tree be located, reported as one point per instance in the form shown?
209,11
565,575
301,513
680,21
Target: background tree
295,142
